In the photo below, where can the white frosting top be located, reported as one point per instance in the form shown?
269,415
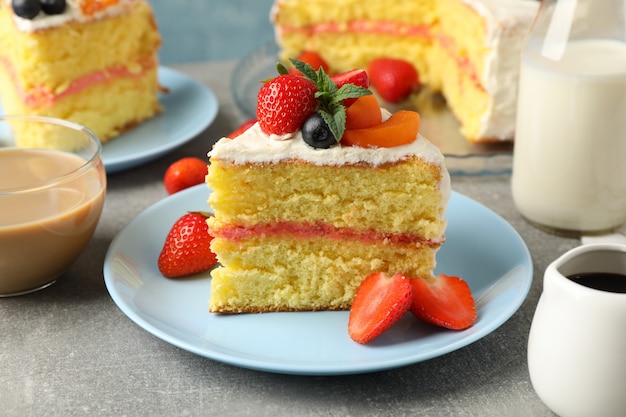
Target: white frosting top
254,146
507,22
73,12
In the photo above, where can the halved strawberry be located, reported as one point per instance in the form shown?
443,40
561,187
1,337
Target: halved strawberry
313,59
444,301
357,77
380,301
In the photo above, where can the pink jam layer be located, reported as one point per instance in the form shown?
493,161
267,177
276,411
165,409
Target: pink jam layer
392,29
308,231
42,97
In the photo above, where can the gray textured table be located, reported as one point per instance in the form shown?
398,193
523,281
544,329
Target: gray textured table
68,350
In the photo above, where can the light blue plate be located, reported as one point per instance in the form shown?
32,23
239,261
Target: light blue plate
189,108
481,247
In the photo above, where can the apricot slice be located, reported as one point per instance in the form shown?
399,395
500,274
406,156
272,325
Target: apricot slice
401,128
363,113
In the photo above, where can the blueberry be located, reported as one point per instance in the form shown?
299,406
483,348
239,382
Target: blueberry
26,9
53,6
317,134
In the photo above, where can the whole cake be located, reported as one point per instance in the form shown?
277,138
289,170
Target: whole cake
298,227
469,50
92,62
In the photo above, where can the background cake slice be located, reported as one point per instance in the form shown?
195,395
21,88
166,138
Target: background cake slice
469,50
91,62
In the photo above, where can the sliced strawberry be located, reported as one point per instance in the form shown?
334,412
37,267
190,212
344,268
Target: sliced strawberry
357,77
242,128
393,79
284,103
444,301
313,59
184,173
380,302
186,249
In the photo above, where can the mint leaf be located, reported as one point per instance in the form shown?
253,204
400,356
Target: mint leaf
351,91
336,121
306,69
281,68
330,98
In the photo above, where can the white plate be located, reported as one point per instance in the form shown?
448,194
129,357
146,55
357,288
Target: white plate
189,108
481,247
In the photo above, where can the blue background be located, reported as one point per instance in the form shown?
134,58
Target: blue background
204,30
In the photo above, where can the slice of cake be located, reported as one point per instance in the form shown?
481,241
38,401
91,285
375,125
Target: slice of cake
91,62
299,227
469,50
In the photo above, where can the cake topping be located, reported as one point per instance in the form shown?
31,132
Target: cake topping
29,9
52,7
35,15
316,133
285,102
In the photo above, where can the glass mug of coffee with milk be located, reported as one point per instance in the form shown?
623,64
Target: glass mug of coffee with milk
569,158
52,190
577,340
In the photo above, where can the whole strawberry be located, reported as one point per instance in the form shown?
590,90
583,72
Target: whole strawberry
186,250
184,173
284,103
393,79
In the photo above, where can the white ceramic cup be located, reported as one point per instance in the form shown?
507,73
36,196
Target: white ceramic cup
577,341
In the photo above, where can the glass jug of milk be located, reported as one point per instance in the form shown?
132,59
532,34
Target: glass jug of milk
569,157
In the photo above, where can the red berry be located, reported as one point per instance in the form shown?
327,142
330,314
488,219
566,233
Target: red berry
186,249
393,79
184,173
313,59
444,301
242,128
380,302
357,77
284,103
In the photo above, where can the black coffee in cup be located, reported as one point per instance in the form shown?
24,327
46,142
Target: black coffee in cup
603,281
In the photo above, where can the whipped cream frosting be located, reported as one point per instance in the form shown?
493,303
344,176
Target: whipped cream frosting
254,146
73,12
507,22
